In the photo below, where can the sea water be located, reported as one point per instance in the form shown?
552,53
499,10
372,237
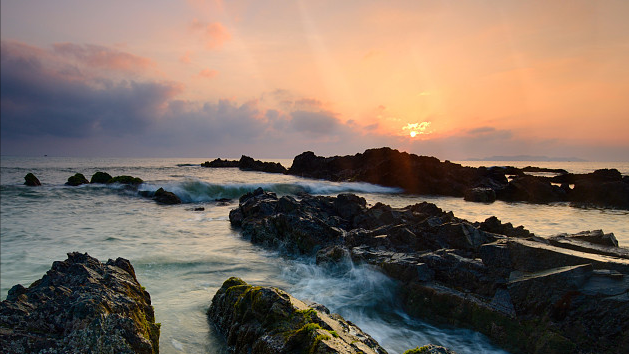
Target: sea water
182,255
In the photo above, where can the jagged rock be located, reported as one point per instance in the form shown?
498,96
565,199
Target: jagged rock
31,180
219,163
257,319
480,195
165,197
430,349
100,177
529,294
130,180
247,163
77,180
80,306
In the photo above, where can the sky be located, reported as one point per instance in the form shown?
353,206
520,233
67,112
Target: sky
271,79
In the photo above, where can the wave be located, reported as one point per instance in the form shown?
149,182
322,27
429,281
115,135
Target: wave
196,191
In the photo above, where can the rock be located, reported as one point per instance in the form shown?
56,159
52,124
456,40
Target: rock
31,180
430,349
257,319
596,237
165,197
531,189
100,177
247,163
77,180
527,293
480,195
80,306
133,181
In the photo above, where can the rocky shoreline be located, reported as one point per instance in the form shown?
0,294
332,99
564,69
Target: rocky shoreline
428,175
567,294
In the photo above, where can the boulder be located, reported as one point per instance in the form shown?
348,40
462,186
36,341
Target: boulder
31,180
130,180
430,349
80,306
257,319
247,163
219,163
77,180
165,197
100,177
480,195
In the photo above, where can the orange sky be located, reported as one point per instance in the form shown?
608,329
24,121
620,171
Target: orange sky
534,77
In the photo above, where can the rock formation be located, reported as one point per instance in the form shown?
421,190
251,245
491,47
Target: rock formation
100,177
31,180
80,306
530,295
77,180
165,197
427,175
259,320
247,163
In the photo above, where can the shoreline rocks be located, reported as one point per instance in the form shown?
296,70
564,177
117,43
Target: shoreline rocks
529,294
81,305
257,319
247,163
428,175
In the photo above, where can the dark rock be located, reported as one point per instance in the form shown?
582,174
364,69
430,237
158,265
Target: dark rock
559,171
596,237
247,163
100,177
430,349
527,293
257,319
531,189
80,306
31,180
133,181
77,180
165,197
218,163
480,195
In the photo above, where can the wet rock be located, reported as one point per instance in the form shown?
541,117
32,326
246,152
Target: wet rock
480,195
77,180
31,180
100,177
165,197
528,293
531,189
129,180
430,349
80,306
219,163
247,163
257,319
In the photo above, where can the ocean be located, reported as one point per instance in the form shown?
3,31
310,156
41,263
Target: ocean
182,255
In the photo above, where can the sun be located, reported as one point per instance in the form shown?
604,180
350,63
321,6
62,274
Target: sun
413,133
415,129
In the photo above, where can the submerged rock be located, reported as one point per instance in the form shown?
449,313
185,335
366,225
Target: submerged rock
77,180
80,306
31,180
257,319
527,293
100,177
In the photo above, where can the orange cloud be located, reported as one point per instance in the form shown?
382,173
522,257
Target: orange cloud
208,73
103,57
214,34
186,58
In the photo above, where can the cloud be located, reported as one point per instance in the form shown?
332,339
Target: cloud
213,34
39,99
489,133
315,123
208,73
103,57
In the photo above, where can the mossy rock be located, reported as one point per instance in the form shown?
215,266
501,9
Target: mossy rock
77,180
100,177
31,180
134,181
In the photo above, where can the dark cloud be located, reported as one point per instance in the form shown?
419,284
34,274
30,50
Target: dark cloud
38,99
315,123
103,57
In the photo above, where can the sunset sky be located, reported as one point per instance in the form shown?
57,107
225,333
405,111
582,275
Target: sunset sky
271,79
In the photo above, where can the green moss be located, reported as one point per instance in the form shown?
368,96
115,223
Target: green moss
333,333
417,350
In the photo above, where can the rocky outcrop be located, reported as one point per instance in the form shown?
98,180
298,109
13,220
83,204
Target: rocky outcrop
80,306
165,197
428,175
77,180
430,349
257,319
129,180
100,177
31,180
529,294
247,163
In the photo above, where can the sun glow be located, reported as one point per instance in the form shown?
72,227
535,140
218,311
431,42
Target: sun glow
417,129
